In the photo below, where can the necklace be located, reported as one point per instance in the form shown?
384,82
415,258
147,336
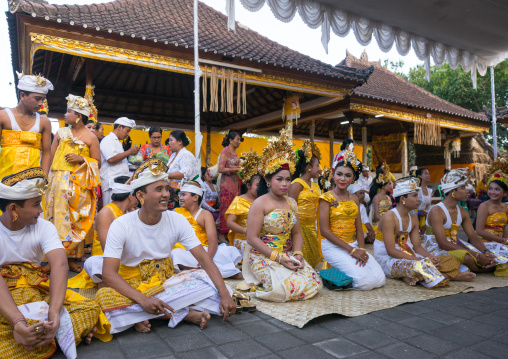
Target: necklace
338,196
20,118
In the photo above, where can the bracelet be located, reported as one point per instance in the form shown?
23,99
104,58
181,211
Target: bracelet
273,256
353,251
476,257
298,252
362,249
22,319
280,257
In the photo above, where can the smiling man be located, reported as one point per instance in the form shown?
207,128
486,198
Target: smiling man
140,243
24,132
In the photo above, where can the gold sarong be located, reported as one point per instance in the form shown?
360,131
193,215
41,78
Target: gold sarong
27,284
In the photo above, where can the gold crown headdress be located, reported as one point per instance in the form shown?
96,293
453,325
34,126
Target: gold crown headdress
326,178
498,171
278,153
385,176
249,165
310,149
348,156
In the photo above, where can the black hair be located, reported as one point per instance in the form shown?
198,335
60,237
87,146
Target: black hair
446,171
179,135
375,186
27,93
116,125
244,189
231,135
154,129
346,143
120,197
419,171
302,164
5,202
167,141
397,199
501,184
356,173
83,117
263,182
98,125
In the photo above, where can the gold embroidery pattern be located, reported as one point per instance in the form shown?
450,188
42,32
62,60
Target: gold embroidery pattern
30,173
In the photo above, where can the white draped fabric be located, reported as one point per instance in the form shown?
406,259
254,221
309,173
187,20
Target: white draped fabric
316,14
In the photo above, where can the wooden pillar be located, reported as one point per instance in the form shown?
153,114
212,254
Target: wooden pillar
405,159
448,157
312,130
208,142
364,144
350,130
330,134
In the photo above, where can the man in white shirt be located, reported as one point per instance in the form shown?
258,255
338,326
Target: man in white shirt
356,189
113,157
28,325
140,243
365,182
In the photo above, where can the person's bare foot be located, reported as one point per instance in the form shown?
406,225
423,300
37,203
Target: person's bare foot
74,266
410,281
198,318
465,276
46,268
87,339
143,327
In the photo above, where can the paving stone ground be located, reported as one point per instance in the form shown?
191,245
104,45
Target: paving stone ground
467,325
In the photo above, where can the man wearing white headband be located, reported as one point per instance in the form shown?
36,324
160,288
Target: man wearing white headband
400,252
365,181
26,329
71,200
123,201
26,134
443,222
361,193
114,158
225,257
141,243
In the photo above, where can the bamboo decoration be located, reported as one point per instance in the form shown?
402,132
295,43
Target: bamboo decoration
224,81
427,132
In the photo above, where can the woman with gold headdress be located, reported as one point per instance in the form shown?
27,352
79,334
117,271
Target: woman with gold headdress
493,214
236,215
273,256
340,223
71,200
306,192
380,194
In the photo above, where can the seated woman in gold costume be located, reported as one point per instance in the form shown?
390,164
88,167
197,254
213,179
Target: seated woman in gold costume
273,257
380,194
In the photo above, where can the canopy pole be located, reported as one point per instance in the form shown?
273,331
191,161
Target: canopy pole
197,74
330,135
494,119
364,144
312,130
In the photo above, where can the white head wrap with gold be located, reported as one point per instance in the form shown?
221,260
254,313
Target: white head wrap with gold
454,179
23,185
149,172
78,104
187,187
406,185
355,187
121,188
31,83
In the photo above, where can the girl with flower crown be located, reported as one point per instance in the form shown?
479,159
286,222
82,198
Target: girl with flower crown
273,257
380,194
340,223
306,192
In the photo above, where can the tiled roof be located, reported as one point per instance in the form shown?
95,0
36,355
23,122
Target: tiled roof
171,22
387,86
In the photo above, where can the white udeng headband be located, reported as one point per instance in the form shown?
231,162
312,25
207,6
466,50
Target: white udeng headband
26,189
121,188
192,189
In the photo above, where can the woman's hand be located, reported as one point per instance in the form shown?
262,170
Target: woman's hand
288,263
361,256
435,260
74,158
300,258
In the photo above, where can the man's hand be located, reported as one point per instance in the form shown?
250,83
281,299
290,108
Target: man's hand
74,158
487,260
156,306
133,150
49,331
28,336
227,306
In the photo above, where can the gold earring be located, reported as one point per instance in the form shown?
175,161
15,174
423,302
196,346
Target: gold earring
268,185
453,194
14,217
142,201
403,202
77,121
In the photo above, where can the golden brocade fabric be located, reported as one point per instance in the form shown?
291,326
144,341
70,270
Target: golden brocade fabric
28,284
71,200
401,240
200,231
422,269
308,200
342,218
495,224
20,150
239,207
384,206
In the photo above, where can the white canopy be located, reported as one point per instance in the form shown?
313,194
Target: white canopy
472,33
